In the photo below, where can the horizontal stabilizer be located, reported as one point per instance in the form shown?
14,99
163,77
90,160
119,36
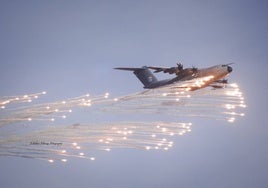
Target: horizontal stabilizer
129,69
143,74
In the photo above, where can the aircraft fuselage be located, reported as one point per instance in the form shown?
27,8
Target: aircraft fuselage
150,81
216,72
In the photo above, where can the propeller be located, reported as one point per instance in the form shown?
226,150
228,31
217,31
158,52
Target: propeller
194,69
180,66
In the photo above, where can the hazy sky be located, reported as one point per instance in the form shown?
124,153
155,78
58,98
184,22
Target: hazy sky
69,48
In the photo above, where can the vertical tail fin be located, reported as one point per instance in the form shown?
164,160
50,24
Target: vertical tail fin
143,74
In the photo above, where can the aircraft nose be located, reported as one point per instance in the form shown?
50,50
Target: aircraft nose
230,69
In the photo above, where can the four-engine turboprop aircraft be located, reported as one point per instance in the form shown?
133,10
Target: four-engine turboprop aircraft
216,74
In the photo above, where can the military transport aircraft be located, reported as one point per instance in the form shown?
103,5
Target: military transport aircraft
216,74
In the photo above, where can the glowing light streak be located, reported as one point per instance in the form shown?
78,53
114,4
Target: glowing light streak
177,100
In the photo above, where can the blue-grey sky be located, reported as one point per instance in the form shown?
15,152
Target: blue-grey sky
69,48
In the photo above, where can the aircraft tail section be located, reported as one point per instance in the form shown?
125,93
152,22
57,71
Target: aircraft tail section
143,74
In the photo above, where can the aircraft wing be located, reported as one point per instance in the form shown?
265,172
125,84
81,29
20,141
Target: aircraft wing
171,70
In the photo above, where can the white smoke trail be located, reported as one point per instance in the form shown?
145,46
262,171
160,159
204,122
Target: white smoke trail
76,140
56,143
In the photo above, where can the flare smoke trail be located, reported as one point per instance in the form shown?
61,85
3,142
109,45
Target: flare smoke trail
58,142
